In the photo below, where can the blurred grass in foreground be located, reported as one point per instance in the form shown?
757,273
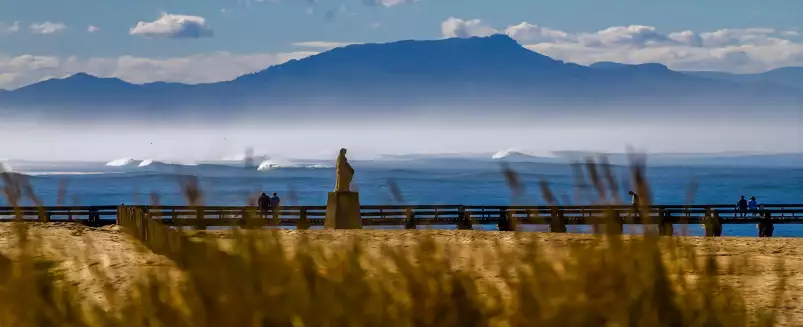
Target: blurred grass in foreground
267,280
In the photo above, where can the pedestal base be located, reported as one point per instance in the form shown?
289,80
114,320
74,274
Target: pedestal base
343,211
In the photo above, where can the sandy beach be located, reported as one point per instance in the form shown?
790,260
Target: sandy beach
79,250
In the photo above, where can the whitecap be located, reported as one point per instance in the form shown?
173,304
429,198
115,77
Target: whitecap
121,162
5,167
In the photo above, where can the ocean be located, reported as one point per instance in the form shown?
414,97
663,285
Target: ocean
415,181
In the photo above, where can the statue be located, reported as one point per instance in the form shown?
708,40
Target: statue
343,172
343,205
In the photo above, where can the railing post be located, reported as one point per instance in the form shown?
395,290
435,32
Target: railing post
199,218
712,223
464,222
665,227
557,221
409,219
506,223
303,220
94,217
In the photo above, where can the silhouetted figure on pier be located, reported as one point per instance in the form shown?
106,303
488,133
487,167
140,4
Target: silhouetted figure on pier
741,207
264,204
634,199
634,202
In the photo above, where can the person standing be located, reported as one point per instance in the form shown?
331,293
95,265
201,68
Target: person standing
264,204
275,200
634,199
634,202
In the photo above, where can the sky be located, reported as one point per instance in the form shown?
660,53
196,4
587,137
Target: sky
195,41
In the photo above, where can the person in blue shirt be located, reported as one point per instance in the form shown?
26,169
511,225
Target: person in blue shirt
274,201
752,205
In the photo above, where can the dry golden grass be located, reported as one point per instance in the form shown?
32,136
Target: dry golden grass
273,278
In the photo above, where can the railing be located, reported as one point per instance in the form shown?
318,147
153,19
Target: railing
399,215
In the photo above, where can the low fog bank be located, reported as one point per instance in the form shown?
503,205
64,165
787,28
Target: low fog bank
367,137
483,110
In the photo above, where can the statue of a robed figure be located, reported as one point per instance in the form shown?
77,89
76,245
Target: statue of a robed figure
343,173
343,205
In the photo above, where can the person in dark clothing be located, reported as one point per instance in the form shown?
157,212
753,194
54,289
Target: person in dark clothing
634,202
741,207
264,204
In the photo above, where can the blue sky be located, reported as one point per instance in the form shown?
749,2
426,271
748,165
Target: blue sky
54,33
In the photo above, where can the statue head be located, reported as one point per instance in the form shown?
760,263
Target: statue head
343,152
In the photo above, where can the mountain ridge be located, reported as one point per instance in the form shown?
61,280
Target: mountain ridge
475,71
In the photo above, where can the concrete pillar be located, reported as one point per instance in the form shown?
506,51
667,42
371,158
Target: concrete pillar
343,211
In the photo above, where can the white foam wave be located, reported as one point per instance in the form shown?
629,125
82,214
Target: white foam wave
271,164
507,154
268,165
320,166
5,167
63,173
121,162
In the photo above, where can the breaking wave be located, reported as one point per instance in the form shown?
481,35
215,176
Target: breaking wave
263,165
131,162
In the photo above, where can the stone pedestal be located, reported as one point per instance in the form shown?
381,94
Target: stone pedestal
343,211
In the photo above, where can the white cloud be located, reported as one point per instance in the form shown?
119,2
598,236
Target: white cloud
203,68
173,26
323,44
745,50
456,27
92,29
388,3
47,28
9,29
529,32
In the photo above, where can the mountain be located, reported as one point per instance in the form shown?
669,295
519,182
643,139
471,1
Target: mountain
516,156
463,72
788,76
